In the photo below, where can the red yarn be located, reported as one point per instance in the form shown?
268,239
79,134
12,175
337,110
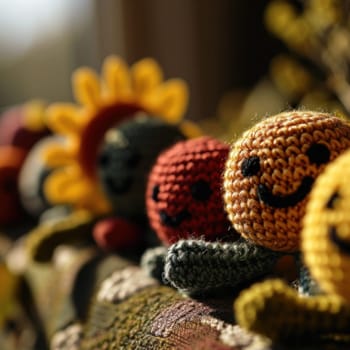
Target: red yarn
184,197
116,233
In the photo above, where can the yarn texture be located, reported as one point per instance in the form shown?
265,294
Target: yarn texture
274,309
271,169
326,233
184,197
140,314
194,266
126,157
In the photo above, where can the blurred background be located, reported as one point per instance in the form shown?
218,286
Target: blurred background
216,46
240,58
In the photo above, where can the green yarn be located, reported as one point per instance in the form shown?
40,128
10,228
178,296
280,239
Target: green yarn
194,266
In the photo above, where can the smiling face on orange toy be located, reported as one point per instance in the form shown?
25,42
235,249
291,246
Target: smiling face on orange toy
270,172
184,197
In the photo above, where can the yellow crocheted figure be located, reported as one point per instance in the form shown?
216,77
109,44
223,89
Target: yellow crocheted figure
276,310
270,172
121,93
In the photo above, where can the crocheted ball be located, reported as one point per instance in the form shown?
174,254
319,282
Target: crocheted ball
126,156
270,172
326,232
184,197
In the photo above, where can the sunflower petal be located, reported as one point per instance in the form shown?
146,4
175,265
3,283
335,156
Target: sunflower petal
147,75
86,87
170,100
63,118
65,186
34,116
116,77
68,185
55,155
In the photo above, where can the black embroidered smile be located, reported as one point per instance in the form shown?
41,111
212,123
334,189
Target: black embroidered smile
290,200
317,153
175,220
341,244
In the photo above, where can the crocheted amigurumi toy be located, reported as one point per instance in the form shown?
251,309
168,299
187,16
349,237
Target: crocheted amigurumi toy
24,125
276,310
185,205
267,179
184,191
124,161
119,95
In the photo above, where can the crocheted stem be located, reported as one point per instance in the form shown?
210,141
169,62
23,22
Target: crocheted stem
275,310
194,266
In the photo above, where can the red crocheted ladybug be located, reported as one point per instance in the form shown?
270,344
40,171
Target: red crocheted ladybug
183,196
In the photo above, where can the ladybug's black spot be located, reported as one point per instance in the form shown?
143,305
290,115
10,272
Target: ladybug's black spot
155,193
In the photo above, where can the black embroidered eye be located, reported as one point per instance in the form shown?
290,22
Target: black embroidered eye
332,200
250,166
318,153
133,159
155,193
200,190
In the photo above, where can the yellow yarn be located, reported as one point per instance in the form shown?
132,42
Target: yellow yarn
274,309
281,143
141,86
327,229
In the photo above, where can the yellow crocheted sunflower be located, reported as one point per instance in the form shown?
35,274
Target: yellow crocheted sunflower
121,93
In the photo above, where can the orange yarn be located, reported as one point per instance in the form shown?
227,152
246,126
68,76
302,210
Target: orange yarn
270,171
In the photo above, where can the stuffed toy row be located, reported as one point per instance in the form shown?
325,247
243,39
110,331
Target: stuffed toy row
123,174
120,124
266,180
